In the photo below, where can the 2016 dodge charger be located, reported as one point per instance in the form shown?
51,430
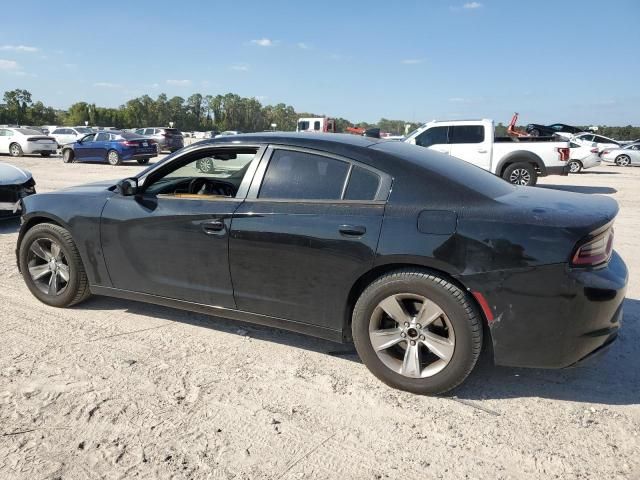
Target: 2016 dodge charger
413,255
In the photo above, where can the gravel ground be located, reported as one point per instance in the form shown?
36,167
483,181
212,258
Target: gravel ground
119,389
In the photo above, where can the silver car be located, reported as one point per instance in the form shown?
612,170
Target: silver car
583,157
623,157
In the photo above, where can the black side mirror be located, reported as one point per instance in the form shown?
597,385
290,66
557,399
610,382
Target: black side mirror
128,187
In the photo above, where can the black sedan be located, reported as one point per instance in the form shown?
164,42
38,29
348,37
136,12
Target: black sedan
538,130
414,256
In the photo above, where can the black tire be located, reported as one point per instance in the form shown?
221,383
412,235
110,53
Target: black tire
113,157
535,132
623,161
158,149
143,161
67,155
575,166
456,305
45,154
77,287
15,150
521,173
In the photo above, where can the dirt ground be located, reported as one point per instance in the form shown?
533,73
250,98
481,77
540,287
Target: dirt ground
119,389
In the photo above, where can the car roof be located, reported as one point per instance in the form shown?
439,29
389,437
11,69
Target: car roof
302,139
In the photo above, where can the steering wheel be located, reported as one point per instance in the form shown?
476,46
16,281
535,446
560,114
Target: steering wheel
198,184
205,186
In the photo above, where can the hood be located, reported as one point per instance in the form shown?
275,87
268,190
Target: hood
88,188
11,175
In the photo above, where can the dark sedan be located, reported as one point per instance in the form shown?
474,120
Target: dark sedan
113,147
537,130
414,255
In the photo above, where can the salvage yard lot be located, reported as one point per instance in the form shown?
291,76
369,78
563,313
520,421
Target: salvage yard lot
114,388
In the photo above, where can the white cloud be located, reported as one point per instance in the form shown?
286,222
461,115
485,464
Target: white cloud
9,65
240,67
303,46
472,5
179,83
264,42
19,48
107,85
412,61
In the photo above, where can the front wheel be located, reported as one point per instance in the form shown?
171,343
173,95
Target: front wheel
15,150
575,166
417,332
51,266
67,155
521,174
623,160
113,157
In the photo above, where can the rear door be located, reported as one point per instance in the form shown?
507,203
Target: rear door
471,143
307,230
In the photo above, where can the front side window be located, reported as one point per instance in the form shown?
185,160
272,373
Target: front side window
295,175
433,136
466,134
303,125
88,139
211,175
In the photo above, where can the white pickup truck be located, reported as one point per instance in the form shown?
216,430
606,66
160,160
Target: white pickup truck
518,160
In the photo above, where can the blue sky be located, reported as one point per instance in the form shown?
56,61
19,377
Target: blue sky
570,61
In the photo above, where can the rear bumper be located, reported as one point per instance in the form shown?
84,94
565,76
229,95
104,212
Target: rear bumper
561,170
552,316
134,155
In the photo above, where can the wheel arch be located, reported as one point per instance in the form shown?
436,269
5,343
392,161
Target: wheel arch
518,156
379,270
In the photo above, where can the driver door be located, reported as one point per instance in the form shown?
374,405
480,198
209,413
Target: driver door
84,149
171,240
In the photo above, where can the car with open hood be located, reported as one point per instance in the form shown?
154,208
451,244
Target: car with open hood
15,184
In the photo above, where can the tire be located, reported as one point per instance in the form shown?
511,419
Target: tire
535,132
67,155
521,173
458,328
113,157
15,150
32,262
575,166
45,155
158,148
623,160
143,161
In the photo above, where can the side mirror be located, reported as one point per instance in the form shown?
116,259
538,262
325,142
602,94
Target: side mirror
128,187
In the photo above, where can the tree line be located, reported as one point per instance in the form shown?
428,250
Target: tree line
199,113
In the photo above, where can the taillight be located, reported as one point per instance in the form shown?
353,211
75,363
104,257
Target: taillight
594,150
594,250
127,143
565,153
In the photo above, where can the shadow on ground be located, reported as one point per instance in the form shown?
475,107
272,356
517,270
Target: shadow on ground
612,379
581,189
9,225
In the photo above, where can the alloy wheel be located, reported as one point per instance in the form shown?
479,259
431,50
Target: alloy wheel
520,176
623,160
412,335
48,266
15,150
113,157
574,167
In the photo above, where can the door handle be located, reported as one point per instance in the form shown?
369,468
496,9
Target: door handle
482,150
352,230
213,227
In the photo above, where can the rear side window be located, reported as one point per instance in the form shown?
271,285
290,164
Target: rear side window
303,176
433,136
363,185
101,137
466,134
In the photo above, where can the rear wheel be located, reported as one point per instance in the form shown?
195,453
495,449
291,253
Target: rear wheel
143,161
521,174
575,166
417,332
51,266
623,160
15,150
113,157
67,155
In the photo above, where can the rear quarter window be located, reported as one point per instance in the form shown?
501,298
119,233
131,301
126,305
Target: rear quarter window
363,184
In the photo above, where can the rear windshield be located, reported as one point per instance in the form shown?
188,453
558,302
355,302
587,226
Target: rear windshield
28,131
173,131
458,171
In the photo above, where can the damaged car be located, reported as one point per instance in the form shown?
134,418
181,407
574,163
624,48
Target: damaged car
415,256
15,184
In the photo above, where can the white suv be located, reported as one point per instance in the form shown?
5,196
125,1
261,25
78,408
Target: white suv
64,135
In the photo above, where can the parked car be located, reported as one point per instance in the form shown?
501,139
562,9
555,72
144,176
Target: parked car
305,233
228,132
590,138
23,141
112,146
166,138
538,130
15,184
583,157
519,161
64,135
623,157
